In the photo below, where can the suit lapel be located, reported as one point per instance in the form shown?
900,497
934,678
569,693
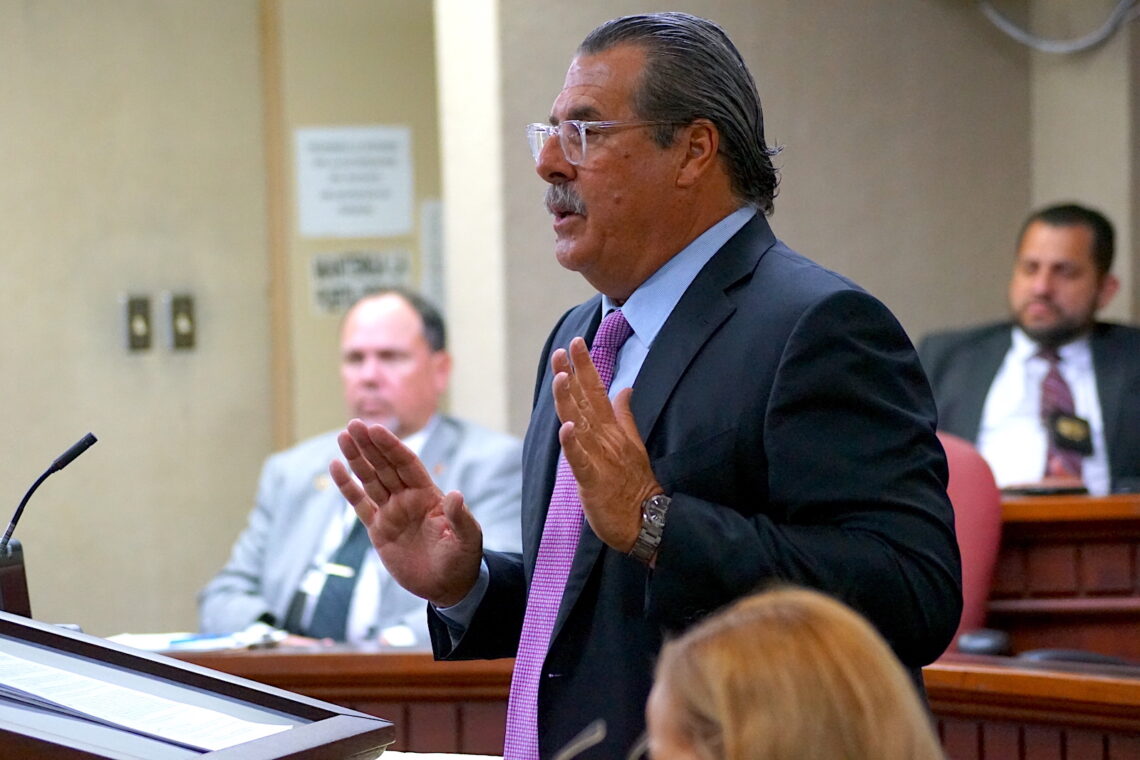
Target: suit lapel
1110,382
980,374
703,308
439,450
323,507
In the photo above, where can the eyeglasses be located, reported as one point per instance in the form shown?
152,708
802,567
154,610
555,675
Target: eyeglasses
573,135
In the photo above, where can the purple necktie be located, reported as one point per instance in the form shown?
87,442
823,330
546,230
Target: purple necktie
1056,398
555,555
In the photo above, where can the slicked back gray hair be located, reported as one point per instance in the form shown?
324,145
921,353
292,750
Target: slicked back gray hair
693,71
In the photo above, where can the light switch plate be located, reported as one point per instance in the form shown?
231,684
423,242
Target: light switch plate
183,327
139,327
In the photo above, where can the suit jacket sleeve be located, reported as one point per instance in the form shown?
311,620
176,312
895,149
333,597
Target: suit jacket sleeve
855,503
493,632
961,366
234,597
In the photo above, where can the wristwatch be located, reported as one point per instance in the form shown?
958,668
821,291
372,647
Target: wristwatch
653,512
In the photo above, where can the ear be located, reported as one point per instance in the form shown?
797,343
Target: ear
700,142
441,370
1109,284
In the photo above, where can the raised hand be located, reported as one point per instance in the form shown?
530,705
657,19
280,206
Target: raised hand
429,541
603,447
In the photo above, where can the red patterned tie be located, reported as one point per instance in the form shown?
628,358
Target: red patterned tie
1056,398
555,555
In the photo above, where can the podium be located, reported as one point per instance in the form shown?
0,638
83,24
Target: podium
13,580
291,725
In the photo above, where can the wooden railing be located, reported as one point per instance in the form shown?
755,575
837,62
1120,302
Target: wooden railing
991,708
986,708
1069,574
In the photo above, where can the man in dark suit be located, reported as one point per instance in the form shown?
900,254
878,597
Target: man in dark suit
994,383
767,420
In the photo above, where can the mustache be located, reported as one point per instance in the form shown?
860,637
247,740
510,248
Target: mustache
563,199
1043,301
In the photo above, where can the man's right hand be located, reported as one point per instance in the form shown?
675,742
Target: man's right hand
429,541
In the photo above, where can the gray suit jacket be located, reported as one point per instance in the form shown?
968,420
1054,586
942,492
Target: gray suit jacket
297,499
962,364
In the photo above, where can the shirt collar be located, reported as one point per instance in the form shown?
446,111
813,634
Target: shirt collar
650,305
1076,353
416,440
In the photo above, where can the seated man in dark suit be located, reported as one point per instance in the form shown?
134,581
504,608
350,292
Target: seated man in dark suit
1053,397
299,564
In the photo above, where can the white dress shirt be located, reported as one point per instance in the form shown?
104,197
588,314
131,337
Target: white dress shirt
1012,436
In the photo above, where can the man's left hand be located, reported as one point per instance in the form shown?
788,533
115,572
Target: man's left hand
603,447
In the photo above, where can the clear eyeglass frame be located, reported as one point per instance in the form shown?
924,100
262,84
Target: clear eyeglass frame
573,135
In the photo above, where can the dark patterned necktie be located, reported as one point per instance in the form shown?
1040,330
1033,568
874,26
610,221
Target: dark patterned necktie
556,550
330,615
1057,399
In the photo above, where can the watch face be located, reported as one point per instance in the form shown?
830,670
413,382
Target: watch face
653,512
655,509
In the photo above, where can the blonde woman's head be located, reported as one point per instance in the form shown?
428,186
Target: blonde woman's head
788,674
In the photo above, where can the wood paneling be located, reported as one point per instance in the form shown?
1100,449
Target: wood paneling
1068,576
436,706
987,708
991,708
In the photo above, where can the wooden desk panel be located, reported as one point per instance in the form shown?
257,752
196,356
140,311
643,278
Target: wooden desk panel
1069,574
988,708
992,708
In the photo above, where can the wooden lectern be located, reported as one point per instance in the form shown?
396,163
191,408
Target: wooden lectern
313,729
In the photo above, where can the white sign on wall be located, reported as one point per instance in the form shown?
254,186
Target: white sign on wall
354,182
337,280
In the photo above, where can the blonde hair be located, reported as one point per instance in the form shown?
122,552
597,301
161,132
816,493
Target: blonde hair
792,674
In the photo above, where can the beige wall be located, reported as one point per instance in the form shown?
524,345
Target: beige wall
1084,136
348,63
131,147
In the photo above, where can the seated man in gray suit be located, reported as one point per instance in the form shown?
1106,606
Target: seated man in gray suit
299,564
1052,398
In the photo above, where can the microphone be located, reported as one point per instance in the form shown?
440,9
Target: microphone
63,460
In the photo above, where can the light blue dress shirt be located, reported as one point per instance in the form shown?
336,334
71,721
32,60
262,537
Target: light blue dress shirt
650,305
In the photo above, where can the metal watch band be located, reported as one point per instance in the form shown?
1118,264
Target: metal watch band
653,511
